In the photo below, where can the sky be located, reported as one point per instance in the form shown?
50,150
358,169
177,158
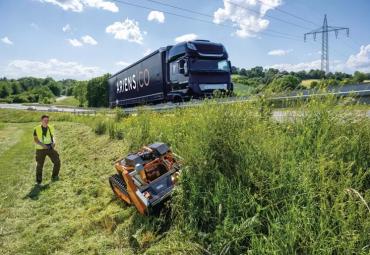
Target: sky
81,39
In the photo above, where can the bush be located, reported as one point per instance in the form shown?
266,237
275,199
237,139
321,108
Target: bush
119,114
314,84
284,83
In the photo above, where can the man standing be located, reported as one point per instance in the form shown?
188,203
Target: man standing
44,138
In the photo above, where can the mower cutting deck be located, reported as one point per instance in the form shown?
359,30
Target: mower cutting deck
146,178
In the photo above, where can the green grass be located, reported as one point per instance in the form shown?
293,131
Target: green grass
243,90
77,215
68,101
250,184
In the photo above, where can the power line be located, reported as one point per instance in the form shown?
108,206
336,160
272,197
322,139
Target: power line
267,15
266,32
210,16
289,13
180,8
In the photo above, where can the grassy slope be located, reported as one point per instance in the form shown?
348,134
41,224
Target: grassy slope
68,101
77,215
241,89
270,188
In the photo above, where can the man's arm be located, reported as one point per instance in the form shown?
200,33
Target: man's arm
53,141
37,141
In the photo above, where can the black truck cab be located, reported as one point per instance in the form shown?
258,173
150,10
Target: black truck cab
196,69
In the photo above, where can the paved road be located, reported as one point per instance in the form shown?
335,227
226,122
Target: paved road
361,91
60,98
44,108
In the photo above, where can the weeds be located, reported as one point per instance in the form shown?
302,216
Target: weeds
256,185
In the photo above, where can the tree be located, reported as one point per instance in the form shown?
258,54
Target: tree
270,74
359,76
243,72
80,91
55,88
5,90
234,70
257,71
283,83
97,91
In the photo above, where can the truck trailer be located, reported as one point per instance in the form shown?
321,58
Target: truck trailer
193,69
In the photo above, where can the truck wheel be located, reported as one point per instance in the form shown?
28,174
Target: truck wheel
118,186
178,99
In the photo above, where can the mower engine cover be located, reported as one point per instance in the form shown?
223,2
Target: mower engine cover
146,178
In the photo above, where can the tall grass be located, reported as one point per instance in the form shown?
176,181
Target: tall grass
254,184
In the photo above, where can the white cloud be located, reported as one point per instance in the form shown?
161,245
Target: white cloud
67,28
87,39
316,64
122,63
356,62
156,16
100,4
249,20
335,65
128,30
279,52
6,40
361,60
186,37
75,42
52,67
79,5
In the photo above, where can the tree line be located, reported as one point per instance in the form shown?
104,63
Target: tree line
274,80
30,89
92,93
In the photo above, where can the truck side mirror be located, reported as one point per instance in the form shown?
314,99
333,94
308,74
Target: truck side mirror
229,65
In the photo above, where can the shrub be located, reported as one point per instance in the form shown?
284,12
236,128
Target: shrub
119,114
284,83
100,127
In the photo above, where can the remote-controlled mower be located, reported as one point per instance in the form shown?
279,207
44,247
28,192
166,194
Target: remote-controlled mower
146,178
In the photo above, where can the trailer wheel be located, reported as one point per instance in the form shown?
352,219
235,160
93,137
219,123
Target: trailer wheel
118,186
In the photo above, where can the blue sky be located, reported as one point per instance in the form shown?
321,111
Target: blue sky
103,35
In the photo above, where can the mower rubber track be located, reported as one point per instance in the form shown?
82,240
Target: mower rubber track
117,181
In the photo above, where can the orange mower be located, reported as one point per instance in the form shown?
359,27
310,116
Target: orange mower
146,178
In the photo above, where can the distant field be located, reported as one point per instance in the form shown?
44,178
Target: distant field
242,90
68,101
307,83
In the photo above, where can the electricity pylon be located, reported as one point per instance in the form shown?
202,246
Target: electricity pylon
324,31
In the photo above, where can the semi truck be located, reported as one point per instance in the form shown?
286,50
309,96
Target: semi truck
193,69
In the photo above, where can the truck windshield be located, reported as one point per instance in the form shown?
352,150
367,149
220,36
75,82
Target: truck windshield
200,65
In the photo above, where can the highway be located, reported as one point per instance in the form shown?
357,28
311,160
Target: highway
360,92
